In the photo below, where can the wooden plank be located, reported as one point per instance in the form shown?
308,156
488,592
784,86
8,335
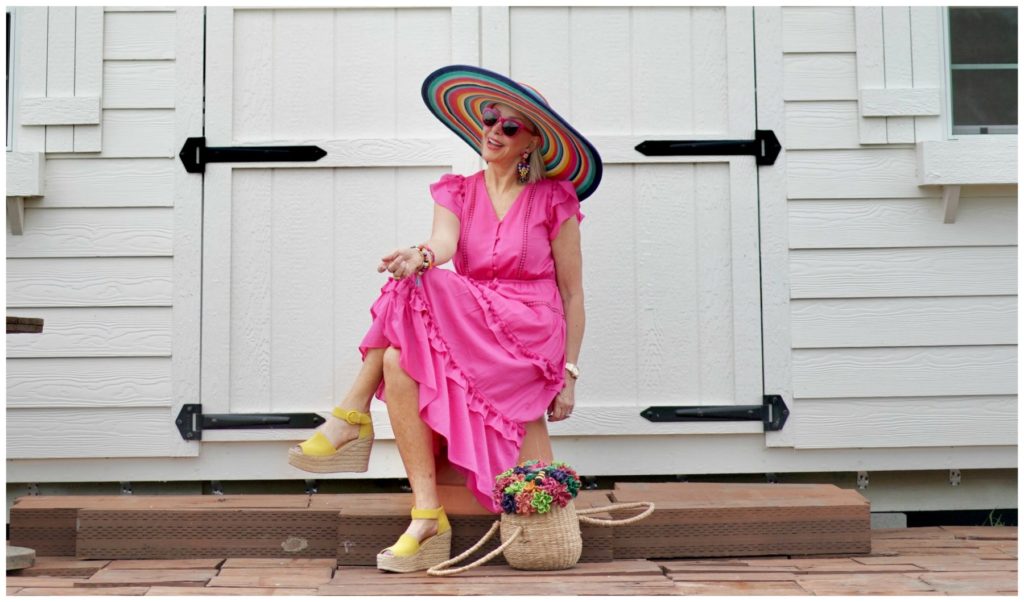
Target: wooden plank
865,173
58,112
819,76
138,35
60,72
215,533
982,533
881,222
818,29
928,61
895,409
896,37
821,124
898,272
79,282
88,71
900,101
31,40
909,372
139,133
106,232
830,323
728,588
859,585
230,591
164,564
292,580
968,160
44,581
109,183
741,576
139,84
365,82
97,332
60,567
190,49
90,433
972,583
667,73
624,569
453,587
315,572
870,62
84,591
126,578
240,563
88,382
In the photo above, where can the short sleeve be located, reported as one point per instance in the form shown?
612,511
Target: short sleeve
564,204
449,191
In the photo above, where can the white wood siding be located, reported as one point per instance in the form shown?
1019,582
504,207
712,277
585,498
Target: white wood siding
99,257
903,327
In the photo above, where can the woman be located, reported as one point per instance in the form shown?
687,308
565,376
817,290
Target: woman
470,356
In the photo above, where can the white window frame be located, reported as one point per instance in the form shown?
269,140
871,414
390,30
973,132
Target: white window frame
947,74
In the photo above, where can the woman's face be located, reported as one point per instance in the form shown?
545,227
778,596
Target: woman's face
508,150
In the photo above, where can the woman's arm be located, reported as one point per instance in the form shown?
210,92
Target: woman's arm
569,272
443,241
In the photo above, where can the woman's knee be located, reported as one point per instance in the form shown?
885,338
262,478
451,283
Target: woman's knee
393,370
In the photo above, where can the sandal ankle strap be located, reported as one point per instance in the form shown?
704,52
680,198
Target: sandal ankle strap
427,513
352,416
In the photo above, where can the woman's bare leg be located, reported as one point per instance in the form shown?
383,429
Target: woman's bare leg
358,397
414,439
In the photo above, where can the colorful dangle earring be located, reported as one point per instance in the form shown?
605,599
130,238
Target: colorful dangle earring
524,168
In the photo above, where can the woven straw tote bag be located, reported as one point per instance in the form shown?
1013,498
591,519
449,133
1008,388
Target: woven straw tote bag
541,542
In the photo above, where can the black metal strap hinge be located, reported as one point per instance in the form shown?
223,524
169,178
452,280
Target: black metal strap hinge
765,147
195,154
191,421
772,413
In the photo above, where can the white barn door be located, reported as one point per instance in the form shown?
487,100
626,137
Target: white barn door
670,243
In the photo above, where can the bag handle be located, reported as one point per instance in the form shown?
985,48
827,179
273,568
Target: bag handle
602,522
440,570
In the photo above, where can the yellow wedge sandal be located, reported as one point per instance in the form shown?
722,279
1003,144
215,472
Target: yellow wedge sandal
316,454
409,555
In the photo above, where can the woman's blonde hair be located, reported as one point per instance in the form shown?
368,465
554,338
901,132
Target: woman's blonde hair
537,170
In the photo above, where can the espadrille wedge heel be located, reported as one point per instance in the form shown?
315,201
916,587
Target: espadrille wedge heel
316,454
409,555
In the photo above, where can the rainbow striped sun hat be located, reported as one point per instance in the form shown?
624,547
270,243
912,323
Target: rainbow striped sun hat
456,95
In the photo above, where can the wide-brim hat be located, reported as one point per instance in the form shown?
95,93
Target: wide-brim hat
456,95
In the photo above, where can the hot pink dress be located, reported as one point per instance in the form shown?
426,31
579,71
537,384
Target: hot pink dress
486,343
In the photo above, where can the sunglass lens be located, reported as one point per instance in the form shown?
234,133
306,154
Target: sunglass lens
510,128
490,117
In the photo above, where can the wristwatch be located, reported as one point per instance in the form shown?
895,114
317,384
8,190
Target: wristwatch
573,370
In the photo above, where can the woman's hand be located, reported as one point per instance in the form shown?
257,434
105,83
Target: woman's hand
401,262
561,406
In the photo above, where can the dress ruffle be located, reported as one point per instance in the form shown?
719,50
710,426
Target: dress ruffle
553,374
449,192
564,204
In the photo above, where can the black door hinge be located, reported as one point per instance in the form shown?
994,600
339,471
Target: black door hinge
195,154
191,421
772,412
765,147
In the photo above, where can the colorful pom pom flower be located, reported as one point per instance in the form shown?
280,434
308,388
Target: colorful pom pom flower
535,488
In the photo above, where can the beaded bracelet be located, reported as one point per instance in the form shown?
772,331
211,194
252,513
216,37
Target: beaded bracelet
428,258
428,251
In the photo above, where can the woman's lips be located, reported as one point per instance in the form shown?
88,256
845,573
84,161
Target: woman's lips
494,144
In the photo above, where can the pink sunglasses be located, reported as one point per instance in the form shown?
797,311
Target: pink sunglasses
509,125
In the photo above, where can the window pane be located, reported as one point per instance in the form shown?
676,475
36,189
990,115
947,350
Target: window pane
983,35
984,97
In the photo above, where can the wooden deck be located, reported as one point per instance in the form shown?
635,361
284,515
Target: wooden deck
916,561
